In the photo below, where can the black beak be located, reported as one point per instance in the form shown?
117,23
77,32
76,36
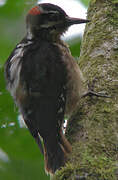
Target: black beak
70,21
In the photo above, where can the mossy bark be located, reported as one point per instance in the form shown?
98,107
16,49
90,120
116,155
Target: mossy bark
93,129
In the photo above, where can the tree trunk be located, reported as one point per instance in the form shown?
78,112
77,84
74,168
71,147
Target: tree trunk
93,129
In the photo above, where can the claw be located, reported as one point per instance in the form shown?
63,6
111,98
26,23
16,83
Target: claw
92,93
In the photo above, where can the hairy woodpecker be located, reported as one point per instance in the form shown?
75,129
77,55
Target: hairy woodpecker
45,81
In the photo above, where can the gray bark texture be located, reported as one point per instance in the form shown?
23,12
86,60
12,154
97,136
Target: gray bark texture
93,129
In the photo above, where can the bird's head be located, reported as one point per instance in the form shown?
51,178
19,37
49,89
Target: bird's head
49,19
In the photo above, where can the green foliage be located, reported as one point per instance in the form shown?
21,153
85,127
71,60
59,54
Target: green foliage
75,47
85,2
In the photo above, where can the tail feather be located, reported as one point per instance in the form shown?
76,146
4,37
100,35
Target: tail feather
55,153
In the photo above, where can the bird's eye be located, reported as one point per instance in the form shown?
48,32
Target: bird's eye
53,16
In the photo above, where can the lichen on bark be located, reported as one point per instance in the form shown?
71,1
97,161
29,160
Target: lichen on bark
93,129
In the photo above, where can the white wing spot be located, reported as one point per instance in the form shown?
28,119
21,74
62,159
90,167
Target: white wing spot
60,110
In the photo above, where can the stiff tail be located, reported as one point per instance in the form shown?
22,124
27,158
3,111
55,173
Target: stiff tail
56,150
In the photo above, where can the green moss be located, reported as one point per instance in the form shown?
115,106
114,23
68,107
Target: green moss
115,1
93,1
64,173
88,166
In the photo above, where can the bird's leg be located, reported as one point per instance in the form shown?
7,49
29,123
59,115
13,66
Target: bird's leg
91,92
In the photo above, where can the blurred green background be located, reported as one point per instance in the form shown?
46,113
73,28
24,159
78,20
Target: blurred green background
20,158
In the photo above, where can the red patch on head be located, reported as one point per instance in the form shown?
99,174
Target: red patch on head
35,11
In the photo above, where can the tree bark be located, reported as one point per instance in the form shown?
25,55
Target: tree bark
93,129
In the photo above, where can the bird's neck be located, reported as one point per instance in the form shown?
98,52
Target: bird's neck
44,35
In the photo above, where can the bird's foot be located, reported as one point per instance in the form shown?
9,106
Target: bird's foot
91,92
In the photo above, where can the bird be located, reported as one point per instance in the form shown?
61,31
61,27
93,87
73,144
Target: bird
45,81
